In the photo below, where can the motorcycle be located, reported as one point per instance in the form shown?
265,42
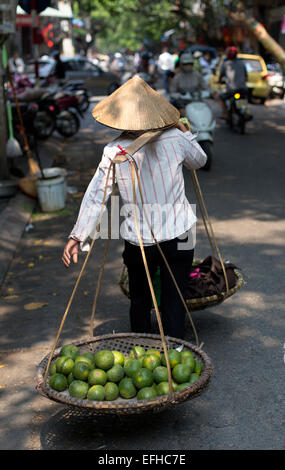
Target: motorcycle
77,88
58,111
28,113
201,118
238,112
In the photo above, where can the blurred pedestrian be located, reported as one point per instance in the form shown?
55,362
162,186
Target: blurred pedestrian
166,65
206,63
16,64
59,71
118,64
147,68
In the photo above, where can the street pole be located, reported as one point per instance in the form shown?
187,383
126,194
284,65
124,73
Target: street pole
4,170
35,46
7,27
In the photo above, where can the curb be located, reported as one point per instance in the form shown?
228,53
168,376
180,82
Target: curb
13,220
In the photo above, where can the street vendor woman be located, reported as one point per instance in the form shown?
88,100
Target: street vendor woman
135,108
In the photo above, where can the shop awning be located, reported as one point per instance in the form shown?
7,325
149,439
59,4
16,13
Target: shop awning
65,13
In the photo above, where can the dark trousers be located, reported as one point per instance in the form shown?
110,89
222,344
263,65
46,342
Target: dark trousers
172,310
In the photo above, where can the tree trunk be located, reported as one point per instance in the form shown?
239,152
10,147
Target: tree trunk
262,36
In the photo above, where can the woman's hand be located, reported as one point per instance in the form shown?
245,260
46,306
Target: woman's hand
181,126
71,249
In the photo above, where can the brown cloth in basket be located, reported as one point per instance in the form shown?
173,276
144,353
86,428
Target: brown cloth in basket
208,278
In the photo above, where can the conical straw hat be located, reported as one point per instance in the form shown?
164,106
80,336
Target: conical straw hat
135,106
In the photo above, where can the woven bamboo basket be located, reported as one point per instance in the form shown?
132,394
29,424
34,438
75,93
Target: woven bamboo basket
197,303
124,342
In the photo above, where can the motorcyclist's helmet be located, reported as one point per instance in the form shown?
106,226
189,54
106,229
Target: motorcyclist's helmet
186,58
231,52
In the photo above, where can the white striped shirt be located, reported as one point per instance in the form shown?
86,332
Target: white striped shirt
160,170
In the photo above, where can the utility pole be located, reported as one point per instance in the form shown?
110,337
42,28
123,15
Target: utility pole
7,26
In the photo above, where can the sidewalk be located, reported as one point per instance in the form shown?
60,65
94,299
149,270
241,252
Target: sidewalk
26,259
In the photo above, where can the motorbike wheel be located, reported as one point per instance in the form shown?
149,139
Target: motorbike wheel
207,146
241,126
68,124
43,125
236,122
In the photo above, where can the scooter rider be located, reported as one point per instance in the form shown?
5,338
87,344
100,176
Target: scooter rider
234,73
186,80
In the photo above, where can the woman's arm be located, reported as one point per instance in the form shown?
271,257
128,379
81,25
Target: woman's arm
90,208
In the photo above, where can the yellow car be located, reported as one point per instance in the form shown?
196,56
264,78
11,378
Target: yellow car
257,77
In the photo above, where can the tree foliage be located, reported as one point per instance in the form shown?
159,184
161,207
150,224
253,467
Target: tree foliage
126,23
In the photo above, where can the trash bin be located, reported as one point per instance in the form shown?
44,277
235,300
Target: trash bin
51,189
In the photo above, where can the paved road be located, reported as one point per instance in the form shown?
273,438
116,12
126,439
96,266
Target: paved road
244,337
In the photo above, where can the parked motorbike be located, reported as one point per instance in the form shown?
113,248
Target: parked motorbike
28,113
60,111
78,89
238,112
201,118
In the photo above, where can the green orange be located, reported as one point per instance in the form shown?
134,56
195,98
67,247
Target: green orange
66,366
126,388
97,377
198,367
70,378
194,377
78,389
116,373
119,357
104,359
186,353
131,366
52,369
111,391
69,350
59,361
96,393
58,382
160,374
153,351
181,387
143,378
85,359
90,356
151,361
181,373
174,357
136,352
162,388
146,393
81,370
189,361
